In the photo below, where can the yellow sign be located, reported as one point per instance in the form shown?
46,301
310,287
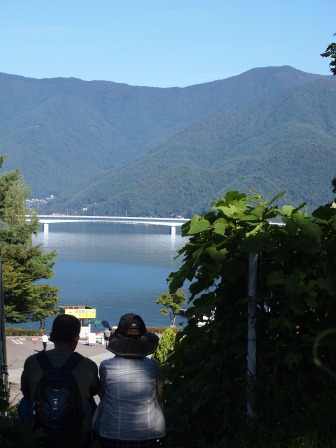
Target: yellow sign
81,313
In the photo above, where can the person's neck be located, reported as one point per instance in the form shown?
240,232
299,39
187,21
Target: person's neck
65,345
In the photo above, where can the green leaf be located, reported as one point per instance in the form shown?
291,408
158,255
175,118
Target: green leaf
233,269
258,212
229,210
310,299
233,195
220,226
198,225
255,243
281,254
218,256
277,196
293,284
287,210
306,244
312,229
328,284
292,358
197,254
324,212
275,278
290,226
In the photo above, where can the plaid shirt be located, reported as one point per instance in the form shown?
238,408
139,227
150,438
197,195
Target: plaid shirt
129,409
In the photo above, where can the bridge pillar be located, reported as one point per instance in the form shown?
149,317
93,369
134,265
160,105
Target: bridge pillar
173,230
45,228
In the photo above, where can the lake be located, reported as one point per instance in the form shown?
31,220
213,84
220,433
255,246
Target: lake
115,268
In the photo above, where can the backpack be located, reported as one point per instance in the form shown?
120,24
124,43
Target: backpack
58,408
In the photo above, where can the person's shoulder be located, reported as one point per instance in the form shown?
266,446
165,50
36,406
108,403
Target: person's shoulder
88,363
151,364
36,356
150,361
108,361
115,363
32,360
154,361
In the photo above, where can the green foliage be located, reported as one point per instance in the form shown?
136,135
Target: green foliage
267,439
173,302
295,301
331,53
24,265
26,332
165,347
13,433
23,332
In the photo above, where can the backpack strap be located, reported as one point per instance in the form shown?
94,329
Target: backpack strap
69,365
44,361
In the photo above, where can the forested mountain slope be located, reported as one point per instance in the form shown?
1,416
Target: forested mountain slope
285,142
62,133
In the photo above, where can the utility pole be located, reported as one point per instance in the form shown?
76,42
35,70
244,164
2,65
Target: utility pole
3,353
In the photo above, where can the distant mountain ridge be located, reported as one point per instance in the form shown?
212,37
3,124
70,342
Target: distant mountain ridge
109,147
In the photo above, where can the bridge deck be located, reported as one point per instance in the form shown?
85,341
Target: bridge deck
54,219
50,219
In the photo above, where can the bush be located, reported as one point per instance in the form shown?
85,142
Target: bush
166,346
13,433
292,302
23,332
161,330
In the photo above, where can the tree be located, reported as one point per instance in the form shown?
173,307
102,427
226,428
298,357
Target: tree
24,265
206,375
331,53
173,302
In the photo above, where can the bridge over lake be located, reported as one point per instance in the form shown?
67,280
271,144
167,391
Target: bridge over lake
46,220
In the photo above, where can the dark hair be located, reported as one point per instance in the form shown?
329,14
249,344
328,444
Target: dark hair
65,328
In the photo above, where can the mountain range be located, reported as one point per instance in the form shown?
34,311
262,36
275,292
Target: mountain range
112,149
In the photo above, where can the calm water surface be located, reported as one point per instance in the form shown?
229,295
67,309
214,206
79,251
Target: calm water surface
115,268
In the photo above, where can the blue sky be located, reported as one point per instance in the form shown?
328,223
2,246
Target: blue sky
162,43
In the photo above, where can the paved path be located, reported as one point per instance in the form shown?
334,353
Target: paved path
19,348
